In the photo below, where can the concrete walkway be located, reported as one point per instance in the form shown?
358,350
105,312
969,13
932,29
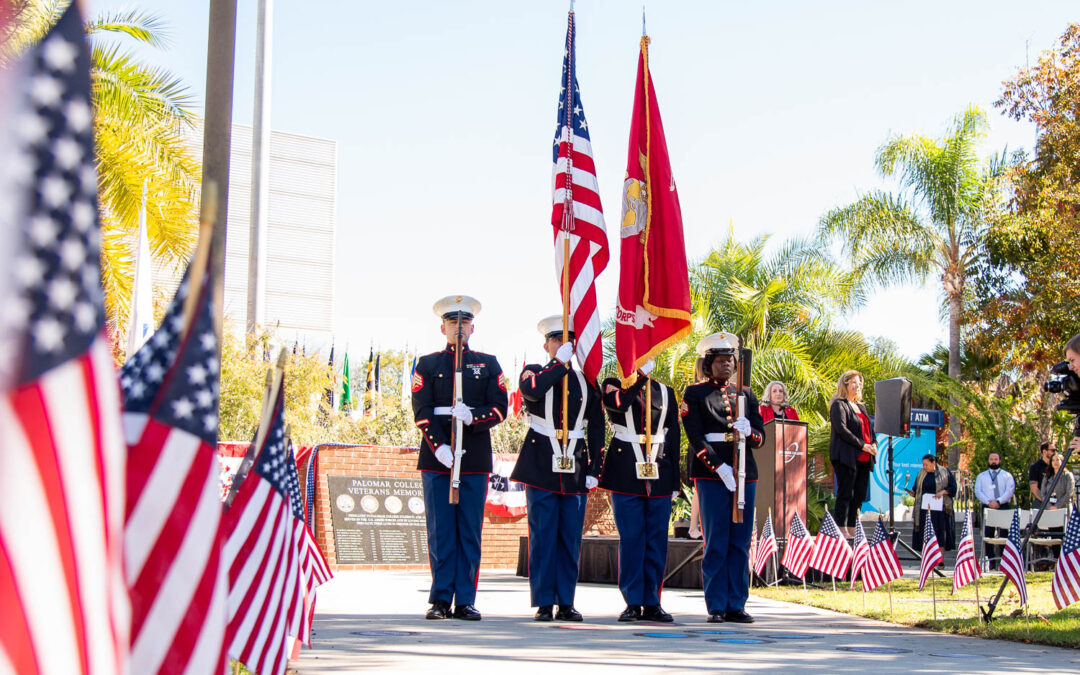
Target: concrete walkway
373,622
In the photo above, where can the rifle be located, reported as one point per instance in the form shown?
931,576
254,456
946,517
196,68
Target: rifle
740,445
456,427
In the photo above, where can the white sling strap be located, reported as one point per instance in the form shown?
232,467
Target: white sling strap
546,425
629,434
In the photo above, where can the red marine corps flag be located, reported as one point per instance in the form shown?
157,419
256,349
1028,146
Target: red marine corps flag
654,290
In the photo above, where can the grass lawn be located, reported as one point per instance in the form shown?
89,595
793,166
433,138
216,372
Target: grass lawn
912,607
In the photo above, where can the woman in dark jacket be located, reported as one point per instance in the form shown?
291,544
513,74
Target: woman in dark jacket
851,448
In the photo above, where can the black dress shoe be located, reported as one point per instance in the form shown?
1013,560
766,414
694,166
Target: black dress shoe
568,613
466,612
716,617
439,610
738,616
631,613
656,613
543,613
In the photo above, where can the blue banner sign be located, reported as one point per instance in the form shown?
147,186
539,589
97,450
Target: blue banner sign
927,419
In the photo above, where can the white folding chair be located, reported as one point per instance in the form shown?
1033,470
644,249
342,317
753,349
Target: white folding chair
1001,518
1041,537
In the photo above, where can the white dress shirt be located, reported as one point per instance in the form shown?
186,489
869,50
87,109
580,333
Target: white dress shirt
985,487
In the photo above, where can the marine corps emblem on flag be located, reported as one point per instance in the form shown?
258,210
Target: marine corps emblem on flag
635,208
417,382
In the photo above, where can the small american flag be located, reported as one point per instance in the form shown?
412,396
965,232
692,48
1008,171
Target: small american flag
574,184
1066,583
860,554
832,553
1012,558
266,592
753,546
313,568
882,565
797,550
63,600
931,551
766,546
966,568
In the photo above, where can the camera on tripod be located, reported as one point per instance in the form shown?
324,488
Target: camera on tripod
1064,381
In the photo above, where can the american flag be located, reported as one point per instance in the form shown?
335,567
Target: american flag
860,554
314,571
931,551
64,606
832,553
1066,583
797,550
1012,558
173,535
574,183
266,592
882,564
766,546
966,568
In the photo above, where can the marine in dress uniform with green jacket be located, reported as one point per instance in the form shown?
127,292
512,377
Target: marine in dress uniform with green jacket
454,530
709,416
642,480
557,481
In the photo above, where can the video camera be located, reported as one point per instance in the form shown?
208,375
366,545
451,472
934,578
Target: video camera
1064,381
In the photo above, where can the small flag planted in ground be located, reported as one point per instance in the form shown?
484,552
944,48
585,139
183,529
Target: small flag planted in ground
766,546
1012,558
882,565
860,554
1066,583
931,551
832,553
797,550
966,568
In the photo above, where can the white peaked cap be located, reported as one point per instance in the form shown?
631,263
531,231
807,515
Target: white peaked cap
553,324
725,343
448,307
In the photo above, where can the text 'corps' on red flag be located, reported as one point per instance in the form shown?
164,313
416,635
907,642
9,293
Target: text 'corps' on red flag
654,290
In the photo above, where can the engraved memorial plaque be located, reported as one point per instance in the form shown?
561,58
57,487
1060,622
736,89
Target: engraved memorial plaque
378,520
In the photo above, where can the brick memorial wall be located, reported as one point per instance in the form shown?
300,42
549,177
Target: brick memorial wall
501,534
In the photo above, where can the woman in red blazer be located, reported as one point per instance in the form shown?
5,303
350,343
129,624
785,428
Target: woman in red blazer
775,403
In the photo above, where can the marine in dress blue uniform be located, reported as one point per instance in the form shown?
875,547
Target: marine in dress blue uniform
641,496
556,500
709,417
454,529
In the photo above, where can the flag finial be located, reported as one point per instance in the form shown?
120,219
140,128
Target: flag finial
642,19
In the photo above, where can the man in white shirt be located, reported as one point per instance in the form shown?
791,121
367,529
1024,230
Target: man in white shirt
995,488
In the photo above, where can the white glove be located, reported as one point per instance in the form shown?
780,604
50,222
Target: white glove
647,367
462,412
675,495
742,425
591,482
566,351
727,475
445,455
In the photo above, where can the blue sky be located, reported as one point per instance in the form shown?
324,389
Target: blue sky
444,114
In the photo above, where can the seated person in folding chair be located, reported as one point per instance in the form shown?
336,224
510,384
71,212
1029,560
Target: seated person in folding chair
995,488
1056,501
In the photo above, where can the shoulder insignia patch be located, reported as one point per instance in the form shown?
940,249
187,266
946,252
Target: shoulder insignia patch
417,382
502,383
610,389
683,409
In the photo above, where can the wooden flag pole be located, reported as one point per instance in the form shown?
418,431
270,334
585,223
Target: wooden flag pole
567,208
567,223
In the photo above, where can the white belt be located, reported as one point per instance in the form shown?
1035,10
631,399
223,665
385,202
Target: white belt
444,410
625,435
540,426
719,438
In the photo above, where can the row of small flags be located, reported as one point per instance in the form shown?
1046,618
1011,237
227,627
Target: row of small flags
116,551
875,560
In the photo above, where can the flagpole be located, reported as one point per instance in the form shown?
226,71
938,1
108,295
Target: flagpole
567,221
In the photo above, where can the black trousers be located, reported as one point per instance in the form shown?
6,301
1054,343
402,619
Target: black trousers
851,485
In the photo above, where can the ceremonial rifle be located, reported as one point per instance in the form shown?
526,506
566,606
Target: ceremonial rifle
456,426
740,444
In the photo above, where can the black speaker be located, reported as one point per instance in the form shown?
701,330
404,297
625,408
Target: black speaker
892,414
747,363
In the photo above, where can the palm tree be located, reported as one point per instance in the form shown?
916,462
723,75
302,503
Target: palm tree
140,116
935,225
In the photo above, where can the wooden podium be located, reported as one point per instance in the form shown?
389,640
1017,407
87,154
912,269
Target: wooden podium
781,464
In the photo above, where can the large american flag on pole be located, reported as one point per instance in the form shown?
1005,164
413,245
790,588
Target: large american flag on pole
63,601
1066,582
797,550
966,568
860,554
931,551
576,213
766,546
266,591
1012,558
173,535
882,565
832,553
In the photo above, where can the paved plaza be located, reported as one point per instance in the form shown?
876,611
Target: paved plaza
373,622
